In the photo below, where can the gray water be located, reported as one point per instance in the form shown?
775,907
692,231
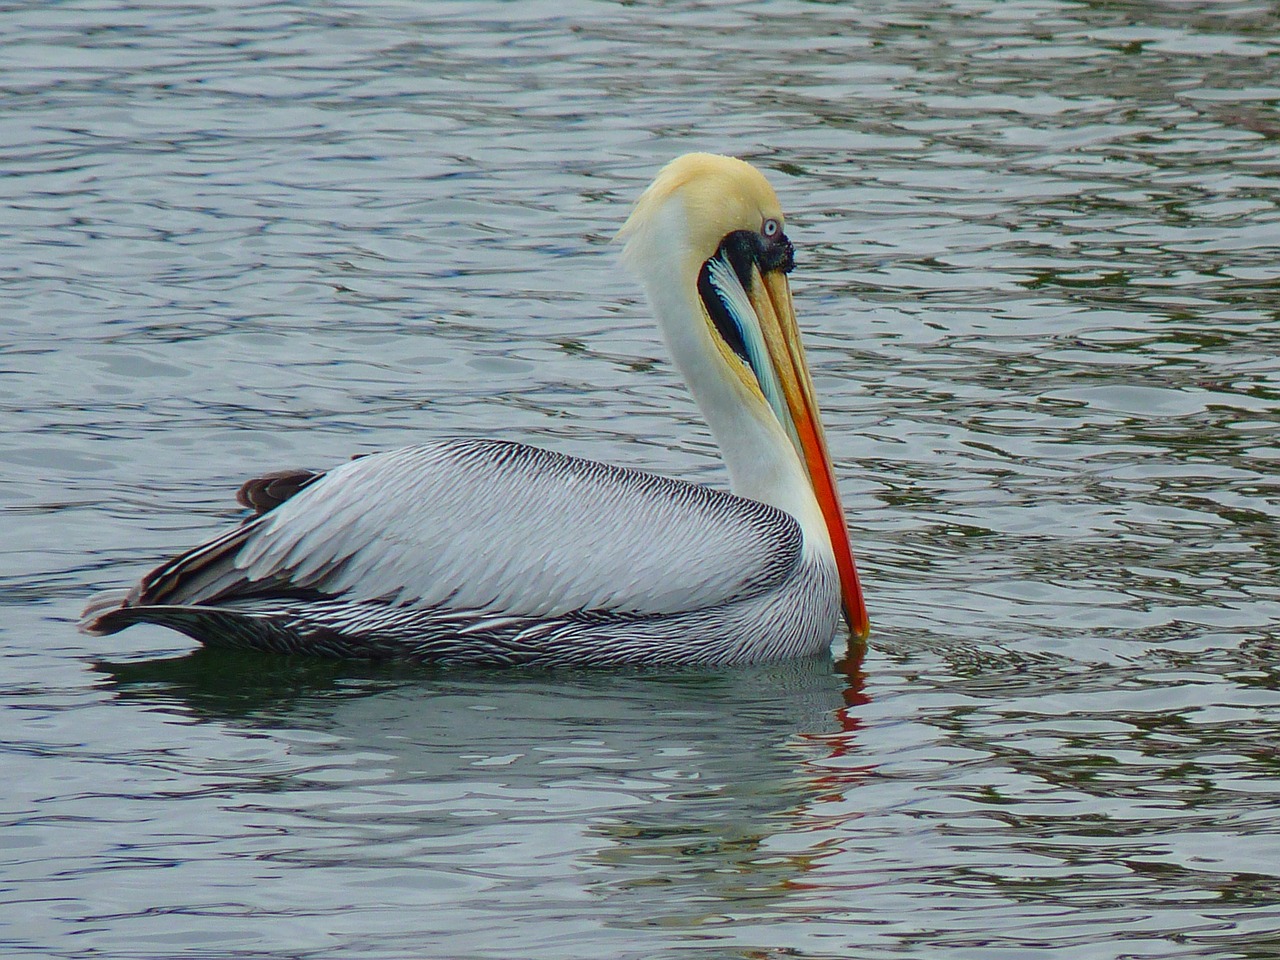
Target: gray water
1038,249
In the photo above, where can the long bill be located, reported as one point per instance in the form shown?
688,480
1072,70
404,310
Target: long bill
770,296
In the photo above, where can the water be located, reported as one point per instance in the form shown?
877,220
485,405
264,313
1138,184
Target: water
1038,271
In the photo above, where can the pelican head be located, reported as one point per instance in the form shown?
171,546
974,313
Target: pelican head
707,239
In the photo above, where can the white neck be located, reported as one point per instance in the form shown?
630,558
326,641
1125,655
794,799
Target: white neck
763,464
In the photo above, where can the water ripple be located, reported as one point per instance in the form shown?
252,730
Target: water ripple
1037,272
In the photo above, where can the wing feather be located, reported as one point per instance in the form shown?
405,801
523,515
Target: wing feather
502,529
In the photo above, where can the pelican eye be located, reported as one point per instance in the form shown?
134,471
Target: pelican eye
770,229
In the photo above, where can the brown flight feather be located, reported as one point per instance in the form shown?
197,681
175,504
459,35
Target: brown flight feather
272,489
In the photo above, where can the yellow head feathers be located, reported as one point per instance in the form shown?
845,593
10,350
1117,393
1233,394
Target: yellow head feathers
716,195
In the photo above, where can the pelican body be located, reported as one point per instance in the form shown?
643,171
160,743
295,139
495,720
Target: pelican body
472,551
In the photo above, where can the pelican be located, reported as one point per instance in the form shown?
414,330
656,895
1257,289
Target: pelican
477,551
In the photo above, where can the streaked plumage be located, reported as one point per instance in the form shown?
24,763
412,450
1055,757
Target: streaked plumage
477,551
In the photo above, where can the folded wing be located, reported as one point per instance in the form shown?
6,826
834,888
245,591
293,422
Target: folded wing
494,527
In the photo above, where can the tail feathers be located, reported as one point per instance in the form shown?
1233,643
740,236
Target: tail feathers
212,626
113,611
275,629
96,619
116,610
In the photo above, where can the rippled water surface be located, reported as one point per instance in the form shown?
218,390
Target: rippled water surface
1038,270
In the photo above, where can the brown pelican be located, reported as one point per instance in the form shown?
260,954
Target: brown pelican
488,552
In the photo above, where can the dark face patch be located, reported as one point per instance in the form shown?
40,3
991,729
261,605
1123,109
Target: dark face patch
745,248
742,250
